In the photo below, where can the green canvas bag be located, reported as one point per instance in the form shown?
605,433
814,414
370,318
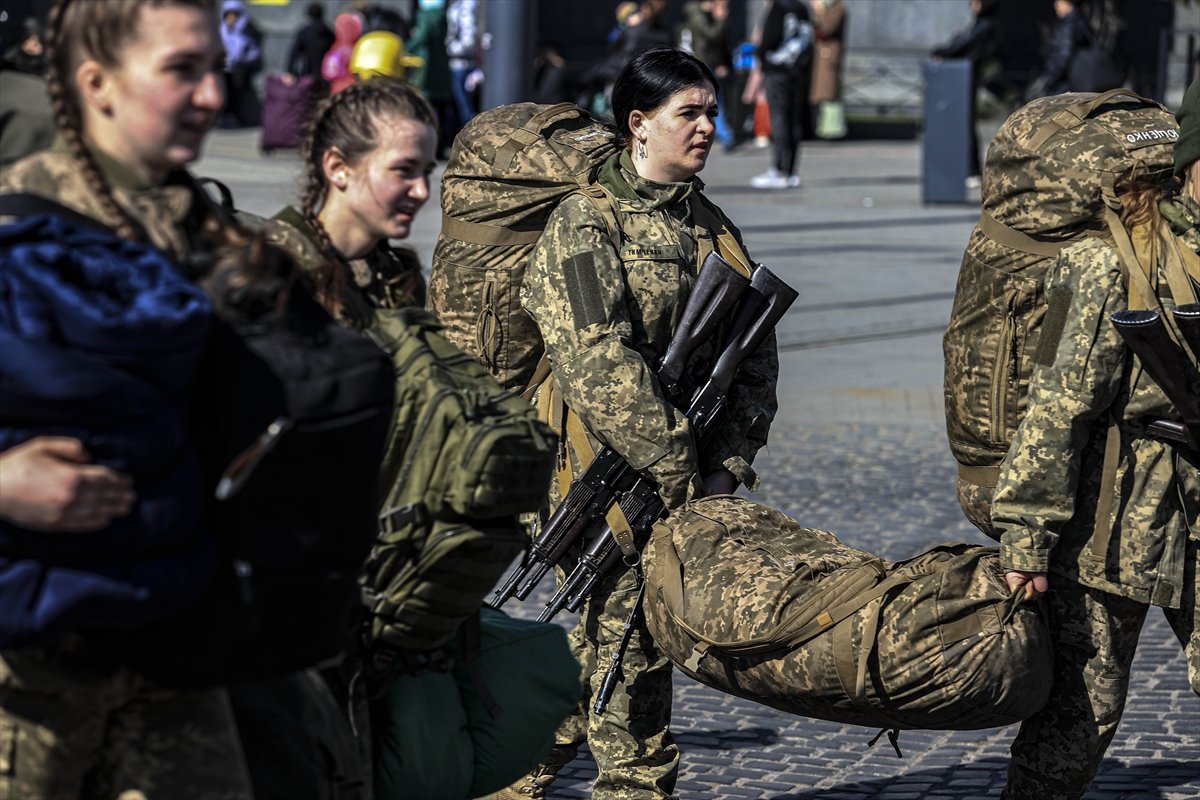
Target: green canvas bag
482,720
1048,182
464,459
743,599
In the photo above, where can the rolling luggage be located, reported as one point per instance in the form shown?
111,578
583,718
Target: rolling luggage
286,107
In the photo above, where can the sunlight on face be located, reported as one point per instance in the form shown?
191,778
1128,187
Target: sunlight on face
390,184
679,134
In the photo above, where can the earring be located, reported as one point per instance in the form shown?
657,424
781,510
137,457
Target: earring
641,149
339,180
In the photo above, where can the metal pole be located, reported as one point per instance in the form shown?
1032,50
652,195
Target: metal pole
510,52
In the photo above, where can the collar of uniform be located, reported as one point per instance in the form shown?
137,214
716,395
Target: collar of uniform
619,176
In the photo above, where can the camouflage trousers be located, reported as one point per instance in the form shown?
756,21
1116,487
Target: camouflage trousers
73,729
636,756
1057,751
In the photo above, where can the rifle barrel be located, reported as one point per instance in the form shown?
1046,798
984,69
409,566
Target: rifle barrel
1146,334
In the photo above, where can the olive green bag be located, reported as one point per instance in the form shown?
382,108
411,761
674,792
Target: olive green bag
464,459
1048,182
743,599
509,169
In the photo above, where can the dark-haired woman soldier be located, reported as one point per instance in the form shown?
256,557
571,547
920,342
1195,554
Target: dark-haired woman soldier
606,285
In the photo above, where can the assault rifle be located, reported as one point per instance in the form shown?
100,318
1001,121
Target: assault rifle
764,304
1147,336
715,295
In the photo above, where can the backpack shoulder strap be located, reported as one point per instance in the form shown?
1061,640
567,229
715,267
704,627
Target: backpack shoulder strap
706,215
27,204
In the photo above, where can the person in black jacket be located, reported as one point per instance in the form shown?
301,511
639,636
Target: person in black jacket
311,44
976,44
786,57
1070,33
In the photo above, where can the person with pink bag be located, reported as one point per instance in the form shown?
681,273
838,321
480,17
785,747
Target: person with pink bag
335,67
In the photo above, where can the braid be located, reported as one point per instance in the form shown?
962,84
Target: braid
348,122
69,122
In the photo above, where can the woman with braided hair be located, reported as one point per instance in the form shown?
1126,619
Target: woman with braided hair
368,155
135,87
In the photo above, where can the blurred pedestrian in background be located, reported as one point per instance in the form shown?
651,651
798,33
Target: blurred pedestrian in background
335,66
28,55
311,44
705,34
462,46
1076,58
433,79
785,55
829,28
975,43
243,61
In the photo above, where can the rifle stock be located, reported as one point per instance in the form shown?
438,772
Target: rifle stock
1187,319
1146,334
718,288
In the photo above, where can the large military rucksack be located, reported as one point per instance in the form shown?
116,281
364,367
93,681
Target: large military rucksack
509,169
1048,182
743,599
466,457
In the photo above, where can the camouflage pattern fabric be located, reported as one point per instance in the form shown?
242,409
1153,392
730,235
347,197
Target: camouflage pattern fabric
509,169
607,312
745,600
163,212
72,728
1047,172
1045,503
1049,482
1057,752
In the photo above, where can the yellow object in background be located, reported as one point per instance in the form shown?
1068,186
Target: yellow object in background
381,53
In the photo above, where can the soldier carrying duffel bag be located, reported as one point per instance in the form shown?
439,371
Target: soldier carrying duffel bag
745,600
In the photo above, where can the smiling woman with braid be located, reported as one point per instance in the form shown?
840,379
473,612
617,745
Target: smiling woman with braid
135,87
368,156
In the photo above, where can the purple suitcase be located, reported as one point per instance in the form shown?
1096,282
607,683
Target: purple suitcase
285,111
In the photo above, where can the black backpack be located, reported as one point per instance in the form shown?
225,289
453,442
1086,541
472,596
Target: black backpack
290,419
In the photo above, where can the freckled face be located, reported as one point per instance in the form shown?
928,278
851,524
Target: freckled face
388,186
678,134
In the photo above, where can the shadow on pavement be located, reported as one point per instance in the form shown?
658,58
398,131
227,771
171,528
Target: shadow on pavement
1142,781
726,739
873,223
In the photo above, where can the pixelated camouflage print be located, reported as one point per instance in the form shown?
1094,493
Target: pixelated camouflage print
159,211
1050,480
509,168
941,650
72,729
1043,178
631,298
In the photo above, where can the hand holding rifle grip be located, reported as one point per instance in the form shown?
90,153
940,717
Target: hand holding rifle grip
1146,334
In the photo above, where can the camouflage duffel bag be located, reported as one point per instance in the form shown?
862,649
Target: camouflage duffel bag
744,600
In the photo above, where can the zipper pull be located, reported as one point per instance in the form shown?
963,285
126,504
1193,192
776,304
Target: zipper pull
240,469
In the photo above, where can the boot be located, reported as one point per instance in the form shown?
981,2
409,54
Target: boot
534,785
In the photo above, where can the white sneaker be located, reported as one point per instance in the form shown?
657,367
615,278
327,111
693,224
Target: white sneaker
793,182
974,182
771,179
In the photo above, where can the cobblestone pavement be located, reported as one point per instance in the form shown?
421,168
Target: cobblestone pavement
858,449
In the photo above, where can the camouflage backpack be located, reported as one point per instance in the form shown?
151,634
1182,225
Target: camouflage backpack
743,599
465,458
1048,182
509,168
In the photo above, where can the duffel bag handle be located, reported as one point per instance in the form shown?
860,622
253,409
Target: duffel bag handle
531,132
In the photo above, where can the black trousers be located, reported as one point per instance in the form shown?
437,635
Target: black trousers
787,96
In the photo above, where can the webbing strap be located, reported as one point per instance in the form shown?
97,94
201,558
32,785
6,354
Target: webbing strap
1138,274
727,244
1108,492
531,132
1015,240
986,477
477,233
1076,113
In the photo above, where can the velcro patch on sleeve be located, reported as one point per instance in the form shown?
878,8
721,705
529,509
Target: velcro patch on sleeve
584,291
1058,307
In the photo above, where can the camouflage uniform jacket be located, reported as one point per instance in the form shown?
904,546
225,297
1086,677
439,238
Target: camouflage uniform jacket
387,277
170,215
1046,498
607,311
